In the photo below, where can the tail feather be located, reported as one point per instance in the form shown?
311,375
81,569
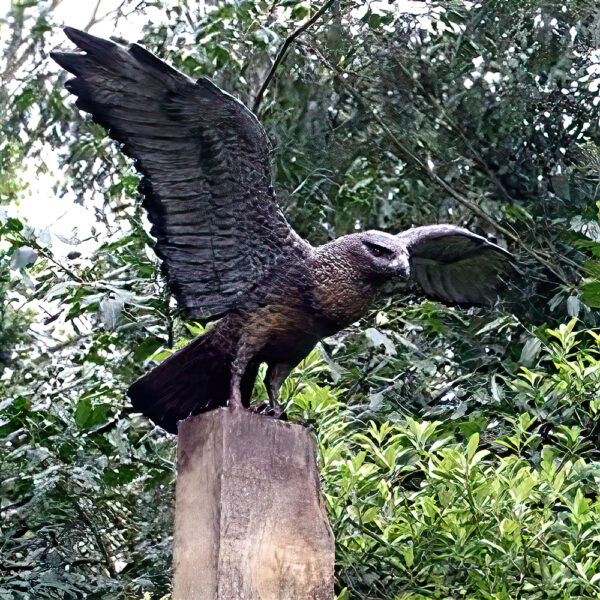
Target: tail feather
193,380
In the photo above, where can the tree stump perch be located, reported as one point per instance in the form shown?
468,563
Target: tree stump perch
249,518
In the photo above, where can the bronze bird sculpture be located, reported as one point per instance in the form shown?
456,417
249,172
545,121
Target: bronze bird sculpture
226,248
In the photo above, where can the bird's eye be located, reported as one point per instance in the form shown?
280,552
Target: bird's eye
378,251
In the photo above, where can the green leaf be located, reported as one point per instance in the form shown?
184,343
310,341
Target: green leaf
590,292
147,348
472,446
369,515
88,416
83,413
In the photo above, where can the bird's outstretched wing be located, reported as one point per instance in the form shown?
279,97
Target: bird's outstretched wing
204,158
454,264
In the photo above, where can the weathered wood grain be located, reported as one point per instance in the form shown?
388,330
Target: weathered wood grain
249,520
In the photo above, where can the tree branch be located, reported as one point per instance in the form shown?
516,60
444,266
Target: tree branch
50,256
97,536
92,20
284,48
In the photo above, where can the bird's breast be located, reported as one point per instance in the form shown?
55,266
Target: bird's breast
342,293
341,303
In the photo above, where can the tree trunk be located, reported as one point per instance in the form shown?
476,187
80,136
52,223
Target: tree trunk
249,519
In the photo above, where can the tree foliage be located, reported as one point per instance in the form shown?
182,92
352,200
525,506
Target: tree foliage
459,448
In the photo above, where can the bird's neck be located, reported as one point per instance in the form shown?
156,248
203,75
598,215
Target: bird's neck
342,292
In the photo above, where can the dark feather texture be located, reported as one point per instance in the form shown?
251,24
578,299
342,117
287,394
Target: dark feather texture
226,247
205,164
453,264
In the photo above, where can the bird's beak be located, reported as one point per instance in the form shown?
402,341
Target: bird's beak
401,265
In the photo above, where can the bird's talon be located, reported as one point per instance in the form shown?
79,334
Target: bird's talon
272,411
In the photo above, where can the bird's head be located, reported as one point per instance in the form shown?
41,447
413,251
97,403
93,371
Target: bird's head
447,262
378,255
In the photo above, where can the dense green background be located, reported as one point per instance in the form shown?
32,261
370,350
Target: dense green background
459,448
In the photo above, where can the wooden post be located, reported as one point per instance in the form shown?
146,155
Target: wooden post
249,519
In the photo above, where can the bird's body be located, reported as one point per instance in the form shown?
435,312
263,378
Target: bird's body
314,295
228,251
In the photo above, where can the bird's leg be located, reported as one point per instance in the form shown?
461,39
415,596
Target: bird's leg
272,390
235,393
235,390
276,375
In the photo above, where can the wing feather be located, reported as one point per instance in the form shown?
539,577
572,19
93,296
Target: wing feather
204,158
453,264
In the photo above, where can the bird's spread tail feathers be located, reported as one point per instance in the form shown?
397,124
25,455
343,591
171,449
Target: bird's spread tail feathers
193,380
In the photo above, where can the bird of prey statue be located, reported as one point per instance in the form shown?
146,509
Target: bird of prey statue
226,248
